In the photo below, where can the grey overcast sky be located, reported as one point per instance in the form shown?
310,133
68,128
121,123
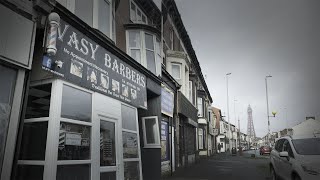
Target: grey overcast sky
252,39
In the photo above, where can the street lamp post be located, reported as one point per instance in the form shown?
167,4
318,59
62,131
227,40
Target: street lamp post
235,120
227,75
269,76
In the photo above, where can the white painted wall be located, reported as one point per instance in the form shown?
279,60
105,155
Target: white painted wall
306,128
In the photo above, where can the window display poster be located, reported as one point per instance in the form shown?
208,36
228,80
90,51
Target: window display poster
167,101
164,141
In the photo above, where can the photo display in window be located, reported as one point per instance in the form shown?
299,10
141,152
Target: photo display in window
74,142
130,145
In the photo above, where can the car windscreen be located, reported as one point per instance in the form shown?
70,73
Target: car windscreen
309,146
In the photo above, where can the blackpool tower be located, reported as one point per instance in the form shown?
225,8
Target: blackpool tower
250,128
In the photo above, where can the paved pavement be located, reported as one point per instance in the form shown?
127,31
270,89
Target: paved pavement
226,167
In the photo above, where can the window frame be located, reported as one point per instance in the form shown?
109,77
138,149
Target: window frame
13,123
201,139
190,91
143,49
171,38
71,6
156,134
136,13
180,68
202,109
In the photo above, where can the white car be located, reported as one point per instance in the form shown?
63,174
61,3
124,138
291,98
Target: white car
295,159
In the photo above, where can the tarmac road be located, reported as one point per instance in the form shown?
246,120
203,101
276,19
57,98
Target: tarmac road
226,167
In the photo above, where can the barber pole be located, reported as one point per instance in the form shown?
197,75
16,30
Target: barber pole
54,23
62,139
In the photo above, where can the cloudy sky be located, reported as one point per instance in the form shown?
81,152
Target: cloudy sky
252,39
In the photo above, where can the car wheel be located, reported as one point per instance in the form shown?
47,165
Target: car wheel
273,174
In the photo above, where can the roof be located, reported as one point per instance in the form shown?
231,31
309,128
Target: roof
172,9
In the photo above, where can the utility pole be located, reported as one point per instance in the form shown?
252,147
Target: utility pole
269,76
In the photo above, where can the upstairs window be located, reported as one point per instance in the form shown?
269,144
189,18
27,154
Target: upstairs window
176,70
200,107
144,47
171,39
200,134
101,18
136,15
190,91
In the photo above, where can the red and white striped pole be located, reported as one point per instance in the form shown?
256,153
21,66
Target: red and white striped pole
54,23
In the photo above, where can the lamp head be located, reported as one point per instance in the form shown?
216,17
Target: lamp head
274,113
228,74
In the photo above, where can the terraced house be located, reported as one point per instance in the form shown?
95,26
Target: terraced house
98,89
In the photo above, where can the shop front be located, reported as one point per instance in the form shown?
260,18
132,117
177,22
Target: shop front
81,118
167,131
17,35
188,153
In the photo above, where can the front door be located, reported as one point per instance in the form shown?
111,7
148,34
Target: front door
109,151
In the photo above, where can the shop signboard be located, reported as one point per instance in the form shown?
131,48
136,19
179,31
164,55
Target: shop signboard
167,101
82,61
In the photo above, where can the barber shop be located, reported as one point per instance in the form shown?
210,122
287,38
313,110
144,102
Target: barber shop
73,105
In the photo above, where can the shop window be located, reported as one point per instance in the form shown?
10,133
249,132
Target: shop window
128,118
76,104
131,170
29,172
74,142
200,107
7,80
136,15
200,134
85,10
176,70
73,172
165,141
130,145
38,101
145,48
151,132
107,144
34,139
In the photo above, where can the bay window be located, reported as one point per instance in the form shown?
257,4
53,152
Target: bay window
144,47
99,14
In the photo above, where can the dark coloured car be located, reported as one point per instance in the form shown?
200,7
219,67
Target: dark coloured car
265,150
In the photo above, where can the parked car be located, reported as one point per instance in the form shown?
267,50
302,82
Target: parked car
296,159
265,150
